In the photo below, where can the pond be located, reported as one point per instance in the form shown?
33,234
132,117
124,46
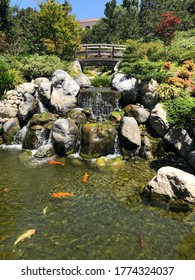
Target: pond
102,221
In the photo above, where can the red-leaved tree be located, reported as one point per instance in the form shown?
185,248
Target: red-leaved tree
166,29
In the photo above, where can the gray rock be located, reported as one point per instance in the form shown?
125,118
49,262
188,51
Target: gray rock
139,113
158,120
62,80
27,108
82,80
40,80
127,86
180,140
45,92
148,97
10,129
191,159
174,183
8,111
44,151
29,88
77,67
130,137
64,136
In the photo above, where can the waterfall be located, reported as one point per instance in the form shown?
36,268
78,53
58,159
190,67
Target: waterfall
42,108
117,150
100,100
19,137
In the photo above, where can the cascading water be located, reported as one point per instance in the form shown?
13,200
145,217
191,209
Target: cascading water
42,108
100,100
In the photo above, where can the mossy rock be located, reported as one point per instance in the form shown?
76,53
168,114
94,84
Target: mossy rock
45,151
42,118
25,156
10,128
98,139
116,116
34,138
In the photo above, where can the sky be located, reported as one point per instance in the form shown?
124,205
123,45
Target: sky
83,9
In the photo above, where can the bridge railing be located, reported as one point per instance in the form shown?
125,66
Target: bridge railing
100,51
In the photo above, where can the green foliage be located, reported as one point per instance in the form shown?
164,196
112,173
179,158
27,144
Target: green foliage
39,66
101,81
9,78
181,111
145,70
165,91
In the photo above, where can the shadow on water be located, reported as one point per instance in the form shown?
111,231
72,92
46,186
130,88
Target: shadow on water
103,220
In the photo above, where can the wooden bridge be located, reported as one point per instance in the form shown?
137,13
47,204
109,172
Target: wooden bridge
99,54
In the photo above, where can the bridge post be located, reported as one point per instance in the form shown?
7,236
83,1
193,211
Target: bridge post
99,51
86,52
112,53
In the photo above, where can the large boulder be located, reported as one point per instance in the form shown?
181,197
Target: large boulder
98,139
139,113
158,120
173,183
10,129
148,97
62,79
127,86
35,137
27,108
82,80
180,140
45,93
130,137
64,136
64,92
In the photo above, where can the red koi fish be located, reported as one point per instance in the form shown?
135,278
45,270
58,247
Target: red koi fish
62,194
85,177
51,161
141,241
5,189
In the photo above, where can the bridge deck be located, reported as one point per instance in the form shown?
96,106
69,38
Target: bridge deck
99,54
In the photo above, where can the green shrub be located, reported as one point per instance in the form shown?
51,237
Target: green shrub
181,111
40,66
101,81
9,78
145,70
166,91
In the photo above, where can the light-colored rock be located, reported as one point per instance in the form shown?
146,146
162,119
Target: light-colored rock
45,92
27,108
62,80
173,182
27,88
64,136
82,80
158,120
139,113
180,140
77,67
8,111
10,128
40,80
128,87
130,137
148,97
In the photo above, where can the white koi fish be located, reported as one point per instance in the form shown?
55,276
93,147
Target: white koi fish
25,235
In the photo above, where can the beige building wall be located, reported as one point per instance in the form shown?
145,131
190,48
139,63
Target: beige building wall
88,23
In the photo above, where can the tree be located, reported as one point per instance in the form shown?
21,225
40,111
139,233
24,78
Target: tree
60,31
167,27
4,14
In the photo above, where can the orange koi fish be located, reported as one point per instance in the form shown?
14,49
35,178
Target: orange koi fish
62,194
51,161
85,177
5,189
141,241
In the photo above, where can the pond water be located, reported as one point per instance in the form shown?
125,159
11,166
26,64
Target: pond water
103,220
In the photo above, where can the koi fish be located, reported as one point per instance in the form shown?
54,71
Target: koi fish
62,194
25,235
52,162
5,189
45,210
141,241
85,177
